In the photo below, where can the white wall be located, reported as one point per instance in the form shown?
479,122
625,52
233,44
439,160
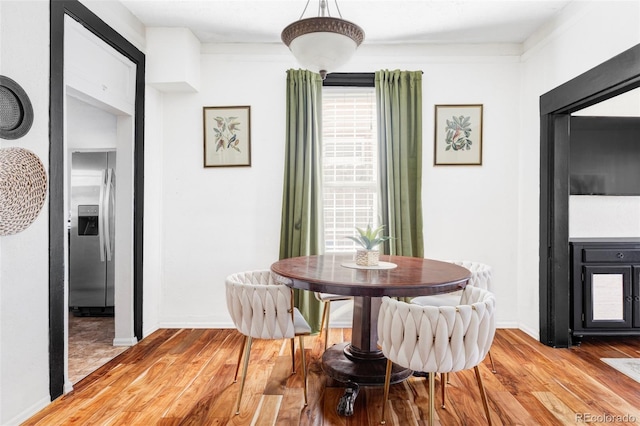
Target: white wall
220,220
604,216
89,127
24,273
153,217
224,220
470,212
587,34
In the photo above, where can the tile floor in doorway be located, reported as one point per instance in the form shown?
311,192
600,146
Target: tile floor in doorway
90,345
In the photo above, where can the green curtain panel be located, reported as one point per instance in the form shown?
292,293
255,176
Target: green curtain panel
399,98
302,197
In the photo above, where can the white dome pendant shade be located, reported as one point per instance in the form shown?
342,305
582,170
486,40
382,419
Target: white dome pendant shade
324,43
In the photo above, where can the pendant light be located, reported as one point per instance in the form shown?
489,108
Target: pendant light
323,43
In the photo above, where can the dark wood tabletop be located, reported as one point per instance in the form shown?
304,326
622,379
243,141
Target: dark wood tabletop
412,277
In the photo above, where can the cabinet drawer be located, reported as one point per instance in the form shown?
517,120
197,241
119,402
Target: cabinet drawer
611,255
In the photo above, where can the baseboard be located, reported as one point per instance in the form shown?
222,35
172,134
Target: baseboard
506,324
531,332
338,323
149,331
179,324
125,341
29,412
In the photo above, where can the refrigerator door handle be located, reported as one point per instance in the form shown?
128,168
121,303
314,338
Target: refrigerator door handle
101,216
107,214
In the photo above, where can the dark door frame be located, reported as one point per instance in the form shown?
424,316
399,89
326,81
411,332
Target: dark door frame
611,78
57,215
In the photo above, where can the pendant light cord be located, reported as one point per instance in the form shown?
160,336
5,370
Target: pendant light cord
338,9
304,10
323,7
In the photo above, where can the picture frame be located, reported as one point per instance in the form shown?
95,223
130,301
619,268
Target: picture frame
458,135
227,136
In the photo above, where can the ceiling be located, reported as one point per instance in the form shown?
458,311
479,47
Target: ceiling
384,21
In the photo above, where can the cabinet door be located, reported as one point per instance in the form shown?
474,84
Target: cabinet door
635,293
607,297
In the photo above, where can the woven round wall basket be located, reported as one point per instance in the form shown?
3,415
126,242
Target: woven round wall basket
23,189
16,113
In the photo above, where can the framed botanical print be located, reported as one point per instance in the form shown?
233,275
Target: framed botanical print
227,136
458,135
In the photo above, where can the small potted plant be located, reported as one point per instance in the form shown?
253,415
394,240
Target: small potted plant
369,239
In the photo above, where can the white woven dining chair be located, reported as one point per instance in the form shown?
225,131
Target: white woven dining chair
437,339
326,299
261,307
481,276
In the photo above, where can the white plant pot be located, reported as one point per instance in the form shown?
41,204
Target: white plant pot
367,257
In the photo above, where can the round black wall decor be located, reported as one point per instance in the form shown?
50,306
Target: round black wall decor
16,113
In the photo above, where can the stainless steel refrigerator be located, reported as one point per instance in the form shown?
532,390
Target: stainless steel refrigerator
91,233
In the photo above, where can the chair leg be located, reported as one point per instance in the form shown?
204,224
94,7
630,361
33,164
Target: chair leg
387,380
483,394
443,384
324,324
493,366
304,368
324,313
293,356
432,403
244,343
247,352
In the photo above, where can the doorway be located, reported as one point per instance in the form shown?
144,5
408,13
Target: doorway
618,75
130,125
92,145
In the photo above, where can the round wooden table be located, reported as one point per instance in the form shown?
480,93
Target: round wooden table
360,362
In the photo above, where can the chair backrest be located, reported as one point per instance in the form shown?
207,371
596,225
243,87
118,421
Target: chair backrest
260,304
481,273
438,339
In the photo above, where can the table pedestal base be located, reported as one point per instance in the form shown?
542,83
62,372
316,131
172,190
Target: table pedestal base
344,365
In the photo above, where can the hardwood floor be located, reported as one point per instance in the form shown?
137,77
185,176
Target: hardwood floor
185,377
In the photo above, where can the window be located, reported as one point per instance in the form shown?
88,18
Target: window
350,169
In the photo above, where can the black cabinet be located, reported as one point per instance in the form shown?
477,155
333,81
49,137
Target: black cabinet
605,286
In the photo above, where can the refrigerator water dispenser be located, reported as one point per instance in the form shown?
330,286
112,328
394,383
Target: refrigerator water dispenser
88,219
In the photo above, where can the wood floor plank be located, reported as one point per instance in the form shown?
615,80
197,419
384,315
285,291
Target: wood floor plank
185,377
182,403
267,411
316,384
562,412
464,397
212,382
331,397
153,408
126,418
399,411
291,407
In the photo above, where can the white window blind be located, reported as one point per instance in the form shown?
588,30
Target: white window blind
350,169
